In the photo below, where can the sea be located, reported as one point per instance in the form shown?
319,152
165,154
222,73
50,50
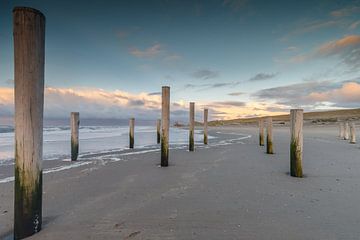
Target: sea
95,136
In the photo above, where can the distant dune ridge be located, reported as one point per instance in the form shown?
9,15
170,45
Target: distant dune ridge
321,117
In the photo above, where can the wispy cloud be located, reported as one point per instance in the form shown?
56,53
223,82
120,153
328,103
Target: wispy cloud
346,48
347,11
263,76
235,94
205,74
212,85
146,53
229,103
354,25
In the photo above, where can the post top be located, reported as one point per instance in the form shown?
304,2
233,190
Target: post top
165,86
28,9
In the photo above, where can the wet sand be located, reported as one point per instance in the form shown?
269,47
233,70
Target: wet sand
229,191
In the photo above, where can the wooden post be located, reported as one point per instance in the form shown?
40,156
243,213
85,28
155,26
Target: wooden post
296,142
131,132
29,43
341,130
158,126
165,120
269,137
191,126
206,111
74,122
261,132
346,131
352,133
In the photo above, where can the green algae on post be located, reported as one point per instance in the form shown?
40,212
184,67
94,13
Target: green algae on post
29,58
296,142
74,122
191,126
261,132
206,111
269,137
131,132
165,121
158,126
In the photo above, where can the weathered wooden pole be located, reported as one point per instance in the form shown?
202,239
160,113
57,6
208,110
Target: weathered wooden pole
29,43
131,132
352,133
165,122
346,131
158,126
261,132
269,136
206,112
341,130
74,122
296,142
191,126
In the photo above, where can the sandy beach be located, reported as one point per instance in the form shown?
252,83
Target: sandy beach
229,190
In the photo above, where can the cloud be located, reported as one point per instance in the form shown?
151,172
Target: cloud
147,53
154,93
205,74
230,103
263,76
312,95
202,87
236,94
346,48
354,25
344,12
349,92
292,94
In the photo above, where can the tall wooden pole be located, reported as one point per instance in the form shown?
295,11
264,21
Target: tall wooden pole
74,122
165,122
191,126
131,132
206,112
296,142
352,133
261,132
29,51
346,131
158,126
269,136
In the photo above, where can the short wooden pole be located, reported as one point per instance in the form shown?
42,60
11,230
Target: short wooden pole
74,122
158,126
341,130
261,132
165,122
131,132
296,142
346,131
191,126
29,43
352,133
206,112
269,136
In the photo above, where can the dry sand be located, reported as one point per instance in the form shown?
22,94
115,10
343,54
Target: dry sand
229,191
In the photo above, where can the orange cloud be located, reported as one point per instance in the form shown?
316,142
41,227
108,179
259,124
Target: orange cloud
335,47
348,92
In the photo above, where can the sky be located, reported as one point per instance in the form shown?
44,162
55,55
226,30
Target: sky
239,58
